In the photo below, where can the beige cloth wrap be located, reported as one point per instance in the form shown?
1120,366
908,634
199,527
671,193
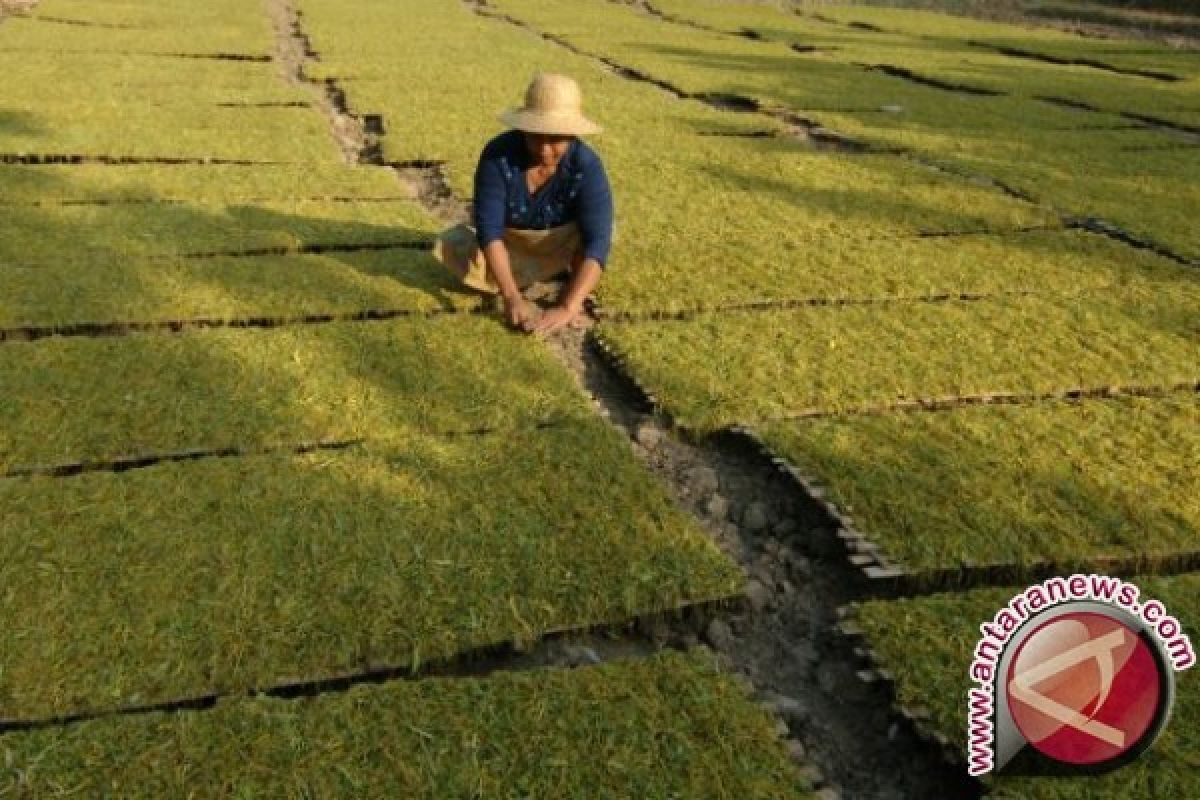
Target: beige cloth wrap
534,255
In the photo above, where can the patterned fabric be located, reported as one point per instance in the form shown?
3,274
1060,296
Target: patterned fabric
578,192
534,255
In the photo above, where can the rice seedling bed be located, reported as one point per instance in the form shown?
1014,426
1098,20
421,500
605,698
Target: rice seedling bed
463,63
926,644
80,76
49,185
1128,177
669,726
981,132
715,370
699,61
80,399
276,134
763,179
939,500
248,35
108,15
34,237
223,575
798,267
119,291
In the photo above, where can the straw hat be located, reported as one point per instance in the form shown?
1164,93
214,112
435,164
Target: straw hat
553,105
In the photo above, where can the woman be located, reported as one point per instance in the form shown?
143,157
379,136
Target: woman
543,207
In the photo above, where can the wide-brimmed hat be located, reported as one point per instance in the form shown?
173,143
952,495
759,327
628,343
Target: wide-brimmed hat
553,105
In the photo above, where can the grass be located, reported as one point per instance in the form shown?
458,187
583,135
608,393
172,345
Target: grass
72,399
826,360
927,644
1063,482
227,574
669,726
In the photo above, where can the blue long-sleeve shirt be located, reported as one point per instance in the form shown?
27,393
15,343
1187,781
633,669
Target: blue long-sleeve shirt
577,192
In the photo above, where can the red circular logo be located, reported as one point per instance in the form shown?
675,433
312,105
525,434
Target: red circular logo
1084,688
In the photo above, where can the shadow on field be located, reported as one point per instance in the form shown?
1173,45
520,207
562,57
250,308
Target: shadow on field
19,123
225,573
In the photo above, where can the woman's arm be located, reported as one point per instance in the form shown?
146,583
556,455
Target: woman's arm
594,215
490,193
496,255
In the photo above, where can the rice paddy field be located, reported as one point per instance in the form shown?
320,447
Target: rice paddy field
277,496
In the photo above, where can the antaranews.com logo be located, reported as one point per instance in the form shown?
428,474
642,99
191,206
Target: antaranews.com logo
1081,670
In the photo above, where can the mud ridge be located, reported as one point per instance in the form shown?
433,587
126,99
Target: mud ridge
124,464
936,83
1144,120
1104,228
31,333
267,104
40,159
1016,52
82,23
170,201
787,304
569,648
293,50
306,249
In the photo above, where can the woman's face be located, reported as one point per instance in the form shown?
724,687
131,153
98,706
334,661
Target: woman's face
547,150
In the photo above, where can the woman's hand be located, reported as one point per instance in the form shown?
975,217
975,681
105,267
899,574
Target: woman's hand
555,318
517,312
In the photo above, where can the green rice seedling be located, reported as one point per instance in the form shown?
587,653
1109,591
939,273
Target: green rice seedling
660,185
667,726
118,290
992,135
35,236
49,185
927,643
247,35
199,132
463,70
1069,483
82,77
938,25
149,16
1135,179
81,399
700,62
228,574
719,369
832,266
